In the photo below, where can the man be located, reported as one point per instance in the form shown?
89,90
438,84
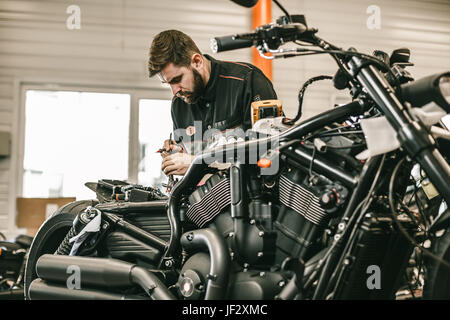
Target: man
208,94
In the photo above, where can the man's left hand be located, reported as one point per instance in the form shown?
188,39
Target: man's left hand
176,163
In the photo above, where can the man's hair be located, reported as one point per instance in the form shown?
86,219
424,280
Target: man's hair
171,46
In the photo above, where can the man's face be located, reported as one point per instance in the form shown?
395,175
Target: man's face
186,83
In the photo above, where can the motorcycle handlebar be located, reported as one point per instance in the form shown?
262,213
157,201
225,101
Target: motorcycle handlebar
226,43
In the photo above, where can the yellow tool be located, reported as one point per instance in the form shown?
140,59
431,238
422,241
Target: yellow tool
265,109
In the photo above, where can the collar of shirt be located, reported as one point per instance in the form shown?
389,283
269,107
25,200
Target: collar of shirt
210,89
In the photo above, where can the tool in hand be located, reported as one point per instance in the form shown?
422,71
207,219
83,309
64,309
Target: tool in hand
170,183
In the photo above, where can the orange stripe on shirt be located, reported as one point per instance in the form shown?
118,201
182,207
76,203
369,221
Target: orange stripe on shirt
230,77
241,64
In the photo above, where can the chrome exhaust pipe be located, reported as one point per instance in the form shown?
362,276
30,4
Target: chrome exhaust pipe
42,290
101,272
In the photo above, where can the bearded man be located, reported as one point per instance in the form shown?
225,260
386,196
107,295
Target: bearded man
209,94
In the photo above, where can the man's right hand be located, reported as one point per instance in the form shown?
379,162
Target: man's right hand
170,147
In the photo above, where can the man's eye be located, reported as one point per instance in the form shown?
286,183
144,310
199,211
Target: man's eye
175,80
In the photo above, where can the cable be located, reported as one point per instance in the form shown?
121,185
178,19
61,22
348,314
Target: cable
372,60
283,9
347,147
401,228
322,261
301,94
5,281
351,240
333,129
341,133
311,176
409,285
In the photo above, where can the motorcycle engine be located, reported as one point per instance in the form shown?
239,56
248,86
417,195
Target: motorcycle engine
245,285
210,207
291,224
307,206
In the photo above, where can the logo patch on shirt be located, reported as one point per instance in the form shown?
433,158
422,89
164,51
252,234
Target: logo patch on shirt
190,130
257,98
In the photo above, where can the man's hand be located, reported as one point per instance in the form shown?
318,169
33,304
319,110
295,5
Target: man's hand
170,148
176,163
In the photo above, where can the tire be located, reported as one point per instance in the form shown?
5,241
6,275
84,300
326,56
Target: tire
437,276
50,235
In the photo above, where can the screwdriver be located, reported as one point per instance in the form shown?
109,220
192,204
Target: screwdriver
170,182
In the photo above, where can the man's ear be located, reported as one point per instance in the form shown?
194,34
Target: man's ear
197,61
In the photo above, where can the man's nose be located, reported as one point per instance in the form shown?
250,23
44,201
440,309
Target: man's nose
175,88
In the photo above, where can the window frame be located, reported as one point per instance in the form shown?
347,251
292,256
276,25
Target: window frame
19,131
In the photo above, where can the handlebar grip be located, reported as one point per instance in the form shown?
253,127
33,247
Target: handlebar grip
226,43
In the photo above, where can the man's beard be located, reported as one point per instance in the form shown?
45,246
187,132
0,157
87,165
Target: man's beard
191,97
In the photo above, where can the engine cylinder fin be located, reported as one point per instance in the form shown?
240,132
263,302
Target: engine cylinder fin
210,204
302,201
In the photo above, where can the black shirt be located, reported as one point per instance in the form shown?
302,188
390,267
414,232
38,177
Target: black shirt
231,89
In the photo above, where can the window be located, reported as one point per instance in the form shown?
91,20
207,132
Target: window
72,138
155,126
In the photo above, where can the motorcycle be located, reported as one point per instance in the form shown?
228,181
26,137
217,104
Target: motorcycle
348,204
13,255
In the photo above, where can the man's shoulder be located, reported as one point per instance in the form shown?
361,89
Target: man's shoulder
236,69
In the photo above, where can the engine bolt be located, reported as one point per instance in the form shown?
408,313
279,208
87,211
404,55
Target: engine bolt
341,226
231,234
260,254
190,236
261,233
262,274
168,263
337,237
252,221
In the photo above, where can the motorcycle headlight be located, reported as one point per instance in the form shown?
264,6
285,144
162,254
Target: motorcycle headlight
434,88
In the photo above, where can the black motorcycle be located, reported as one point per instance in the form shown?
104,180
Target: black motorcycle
13,257
318,213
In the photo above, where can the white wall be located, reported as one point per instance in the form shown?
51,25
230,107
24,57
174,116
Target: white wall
110,50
